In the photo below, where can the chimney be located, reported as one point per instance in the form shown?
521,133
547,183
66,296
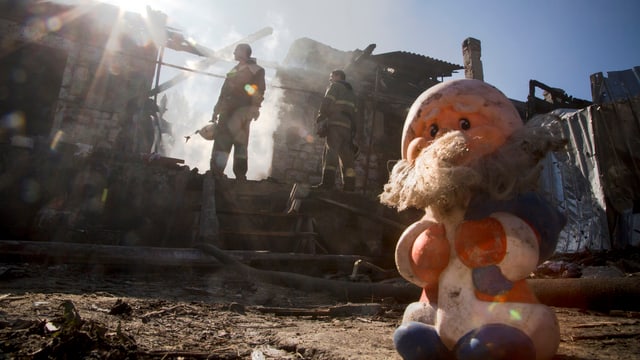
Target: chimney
471,54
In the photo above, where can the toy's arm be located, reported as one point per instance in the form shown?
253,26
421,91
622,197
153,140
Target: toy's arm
546,219
422,253
501,249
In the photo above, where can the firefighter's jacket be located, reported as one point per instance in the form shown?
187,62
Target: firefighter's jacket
243,86
339,105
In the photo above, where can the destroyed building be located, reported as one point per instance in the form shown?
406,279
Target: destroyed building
95,179
68,76
66,178
385,84
71,70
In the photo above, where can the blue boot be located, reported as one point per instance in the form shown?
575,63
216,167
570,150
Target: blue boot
495,342
418,341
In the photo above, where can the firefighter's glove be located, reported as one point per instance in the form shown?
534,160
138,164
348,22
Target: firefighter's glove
322,127
254,112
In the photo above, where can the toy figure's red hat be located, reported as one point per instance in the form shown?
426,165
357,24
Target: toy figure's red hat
445,104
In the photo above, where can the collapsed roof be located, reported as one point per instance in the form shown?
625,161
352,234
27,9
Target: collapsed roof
409,73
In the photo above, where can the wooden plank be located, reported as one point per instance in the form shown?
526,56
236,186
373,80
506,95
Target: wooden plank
268,234
363,213
13,251
364,309
103,254
208,226
259,213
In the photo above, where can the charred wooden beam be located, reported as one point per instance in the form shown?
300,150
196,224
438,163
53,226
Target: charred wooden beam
139,257
621,293
593,294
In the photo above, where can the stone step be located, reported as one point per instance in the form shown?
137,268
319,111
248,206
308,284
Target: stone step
263,221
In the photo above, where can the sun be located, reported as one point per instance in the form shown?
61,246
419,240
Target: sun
134,6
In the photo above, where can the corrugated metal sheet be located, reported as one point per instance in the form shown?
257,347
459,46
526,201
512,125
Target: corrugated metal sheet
596,180
416,63
571,180
620,85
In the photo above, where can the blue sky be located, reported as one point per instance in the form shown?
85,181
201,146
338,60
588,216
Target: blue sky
558,42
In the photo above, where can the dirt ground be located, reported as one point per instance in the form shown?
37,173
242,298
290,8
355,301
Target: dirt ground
75,311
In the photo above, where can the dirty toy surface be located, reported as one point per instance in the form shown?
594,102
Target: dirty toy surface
473,166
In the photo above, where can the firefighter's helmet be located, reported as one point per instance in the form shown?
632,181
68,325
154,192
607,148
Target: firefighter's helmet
208,131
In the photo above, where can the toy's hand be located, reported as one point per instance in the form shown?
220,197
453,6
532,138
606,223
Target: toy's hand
422,253
430,254
481,242
490,280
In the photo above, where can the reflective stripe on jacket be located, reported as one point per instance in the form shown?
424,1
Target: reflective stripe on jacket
339,104
243,86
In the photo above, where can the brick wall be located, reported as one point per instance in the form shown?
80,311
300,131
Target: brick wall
107,63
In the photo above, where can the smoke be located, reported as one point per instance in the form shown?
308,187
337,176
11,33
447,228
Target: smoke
185,119
190,103
189,107
261,136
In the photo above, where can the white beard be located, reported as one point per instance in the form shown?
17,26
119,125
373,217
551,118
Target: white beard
436,181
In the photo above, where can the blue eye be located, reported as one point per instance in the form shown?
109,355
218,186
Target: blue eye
465,124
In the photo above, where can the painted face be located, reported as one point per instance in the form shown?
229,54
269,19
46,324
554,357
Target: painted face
477,110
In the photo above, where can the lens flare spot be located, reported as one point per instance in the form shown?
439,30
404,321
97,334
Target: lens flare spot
515,315
54,23
115,68
35,29
56,140
492,306
14,121
251,89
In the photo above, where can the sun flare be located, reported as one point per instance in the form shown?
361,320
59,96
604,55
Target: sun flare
134,6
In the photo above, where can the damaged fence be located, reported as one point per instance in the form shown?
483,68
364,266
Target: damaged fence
594,182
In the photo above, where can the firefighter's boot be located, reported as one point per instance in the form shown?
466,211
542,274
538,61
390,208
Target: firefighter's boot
240,168
218,163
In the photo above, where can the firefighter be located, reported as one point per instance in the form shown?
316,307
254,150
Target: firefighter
336,123
239,102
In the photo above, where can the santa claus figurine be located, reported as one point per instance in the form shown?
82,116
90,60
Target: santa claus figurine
470,162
